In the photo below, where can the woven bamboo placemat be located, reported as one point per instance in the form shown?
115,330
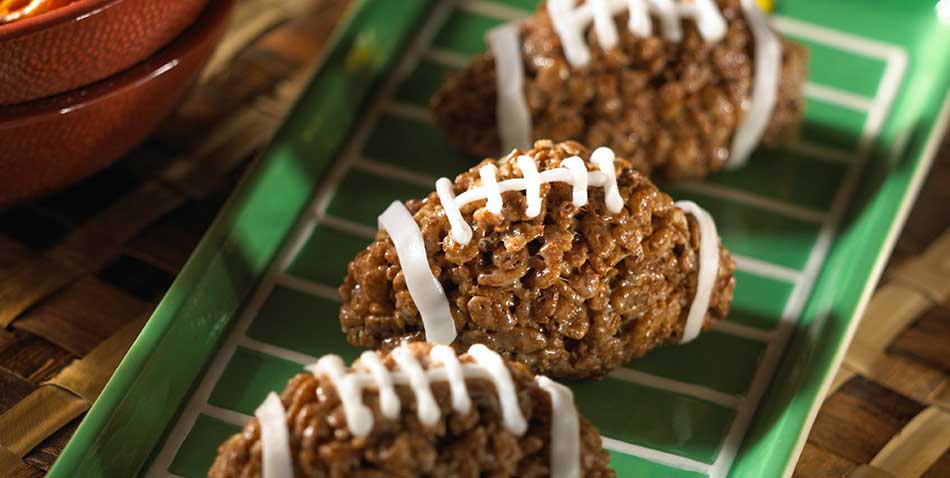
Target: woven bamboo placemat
80,271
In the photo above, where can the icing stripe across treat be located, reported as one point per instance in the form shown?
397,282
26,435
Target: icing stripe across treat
456,376
426,291
604,159
388,400
708,269
565,430
532,185
573,171
358,416
765,76
565,422
514,119
275,439
512,115
426,406
433,304
495,366
571,21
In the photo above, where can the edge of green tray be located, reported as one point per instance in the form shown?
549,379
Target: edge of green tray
915,183
211,258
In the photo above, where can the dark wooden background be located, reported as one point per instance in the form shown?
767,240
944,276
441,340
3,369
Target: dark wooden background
79,271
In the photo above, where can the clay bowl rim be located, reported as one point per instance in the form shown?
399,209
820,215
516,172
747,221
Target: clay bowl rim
77,11
163,61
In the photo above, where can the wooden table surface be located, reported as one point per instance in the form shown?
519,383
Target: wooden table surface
133,226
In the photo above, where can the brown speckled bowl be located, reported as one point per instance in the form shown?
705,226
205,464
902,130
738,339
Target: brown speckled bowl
49,143
84,42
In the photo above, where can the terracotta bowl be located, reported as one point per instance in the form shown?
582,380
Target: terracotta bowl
49,143
84,42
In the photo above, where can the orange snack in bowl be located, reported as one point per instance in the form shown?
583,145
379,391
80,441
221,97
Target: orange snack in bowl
11,10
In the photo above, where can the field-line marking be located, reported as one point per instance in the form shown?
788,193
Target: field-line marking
310,287
822,152
884,98
494,10
350,227
379,168
701,392
741,330
757,201
927,157
409,111
225,415
235,337
841,40
665,458
278,351
199,398
296,240
353,150
447,58
837,96
766,269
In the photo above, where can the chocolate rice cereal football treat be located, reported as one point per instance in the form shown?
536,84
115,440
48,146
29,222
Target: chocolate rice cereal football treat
679,88
420,411
568,261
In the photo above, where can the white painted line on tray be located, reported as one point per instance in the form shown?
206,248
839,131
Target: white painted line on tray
887,91
913,189
308,286
295,241
656,456
837,96
348,226
409,111
766,269
166,475
494,10
777,206
198,399
741,330
277,351
823,152
353,150
225,415
392,171
836,38
662,383
447,58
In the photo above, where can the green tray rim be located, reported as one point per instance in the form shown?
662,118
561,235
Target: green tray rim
212,246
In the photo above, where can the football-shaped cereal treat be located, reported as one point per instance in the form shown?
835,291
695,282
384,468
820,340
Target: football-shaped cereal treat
680,88
419,411
568,261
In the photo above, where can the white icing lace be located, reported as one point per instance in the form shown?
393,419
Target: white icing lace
424,288
512,114
513,118
275,440
571,21
350,383
767,68
427,293
572,171
708,269
565,430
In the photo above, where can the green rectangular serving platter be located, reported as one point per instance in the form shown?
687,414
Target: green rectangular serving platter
811,227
